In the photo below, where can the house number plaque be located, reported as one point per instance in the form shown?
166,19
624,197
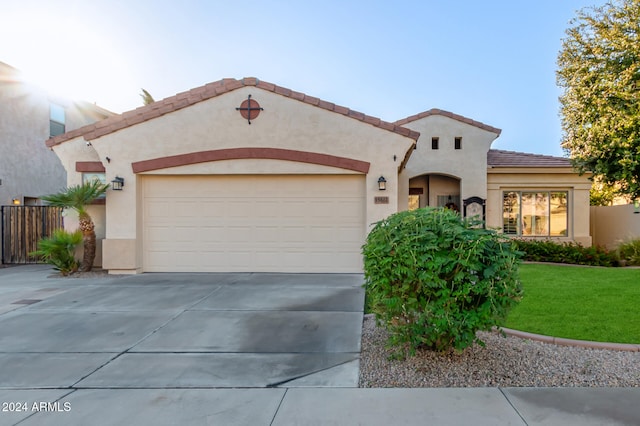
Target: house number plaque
381,200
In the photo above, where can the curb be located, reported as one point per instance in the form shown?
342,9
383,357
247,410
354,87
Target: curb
628,347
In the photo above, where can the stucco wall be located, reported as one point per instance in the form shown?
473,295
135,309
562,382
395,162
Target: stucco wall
531,179
611,225
469,164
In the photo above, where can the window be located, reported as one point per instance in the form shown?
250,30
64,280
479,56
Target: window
56,120
99,176
414,202
458,143
434,143
537,214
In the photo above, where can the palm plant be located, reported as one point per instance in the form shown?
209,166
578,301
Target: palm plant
58,250
78,197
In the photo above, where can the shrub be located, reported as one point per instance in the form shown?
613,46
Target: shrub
58,250
433,280
565,252
629,252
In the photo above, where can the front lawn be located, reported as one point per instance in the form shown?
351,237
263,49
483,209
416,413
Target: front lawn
599,304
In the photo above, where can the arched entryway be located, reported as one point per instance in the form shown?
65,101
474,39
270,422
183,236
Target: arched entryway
434,190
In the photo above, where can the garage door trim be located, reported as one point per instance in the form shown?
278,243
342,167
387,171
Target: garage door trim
245,153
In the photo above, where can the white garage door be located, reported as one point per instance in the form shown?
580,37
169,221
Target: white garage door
260,223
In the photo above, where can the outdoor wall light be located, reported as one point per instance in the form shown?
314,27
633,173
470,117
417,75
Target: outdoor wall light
117,183
16,201
382,183
636,206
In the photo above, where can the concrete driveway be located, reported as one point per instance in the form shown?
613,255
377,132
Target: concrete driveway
179,330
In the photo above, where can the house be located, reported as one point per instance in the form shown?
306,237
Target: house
28,115
245,175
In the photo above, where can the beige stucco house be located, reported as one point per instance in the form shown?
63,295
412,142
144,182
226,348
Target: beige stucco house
28,114
244,175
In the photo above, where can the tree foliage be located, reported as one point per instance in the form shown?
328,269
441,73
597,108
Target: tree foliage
58,250
146,97
603,194
433,279
599,72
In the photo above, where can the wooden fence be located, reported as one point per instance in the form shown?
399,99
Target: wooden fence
21,227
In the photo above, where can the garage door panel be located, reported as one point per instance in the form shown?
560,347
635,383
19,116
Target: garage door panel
293,234
347,235
348,210
322,234
238,208
250,223
185,209
158,208
266,234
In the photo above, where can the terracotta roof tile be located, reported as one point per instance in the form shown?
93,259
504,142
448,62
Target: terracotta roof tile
250,81
283,91
341,110
267,86
208,91
356,114
371,120
297,95
500,158
312,100
436,111
326,105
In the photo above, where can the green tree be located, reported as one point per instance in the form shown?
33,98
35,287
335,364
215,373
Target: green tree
146,97
78,198
603,194
599,72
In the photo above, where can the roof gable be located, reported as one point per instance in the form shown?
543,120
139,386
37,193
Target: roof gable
435,111
208,91
500,158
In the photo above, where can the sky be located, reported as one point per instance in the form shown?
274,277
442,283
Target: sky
493,61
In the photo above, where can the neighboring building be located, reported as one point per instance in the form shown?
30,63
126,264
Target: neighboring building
28,116
244,175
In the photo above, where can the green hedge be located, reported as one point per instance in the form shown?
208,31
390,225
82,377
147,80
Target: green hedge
565,252
629,253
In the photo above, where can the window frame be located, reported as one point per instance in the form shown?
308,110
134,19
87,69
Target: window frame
57,119
457,142
514,215
99,176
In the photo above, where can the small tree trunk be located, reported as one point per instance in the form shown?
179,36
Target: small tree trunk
89,242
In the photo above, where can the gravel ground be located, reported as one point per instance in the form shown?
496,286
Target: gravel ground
505,361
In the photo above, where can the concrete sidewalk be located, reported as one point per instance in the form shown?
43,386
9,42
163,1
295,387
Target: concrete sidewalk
167,349
324,406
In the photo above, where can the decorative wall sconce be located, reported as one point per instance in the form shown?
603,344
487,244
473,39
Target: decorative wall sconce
382,183
117,183
16,201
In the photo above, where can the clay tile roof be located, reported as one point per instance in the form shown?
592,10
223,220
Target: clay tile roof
500,158
435,111
208,91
